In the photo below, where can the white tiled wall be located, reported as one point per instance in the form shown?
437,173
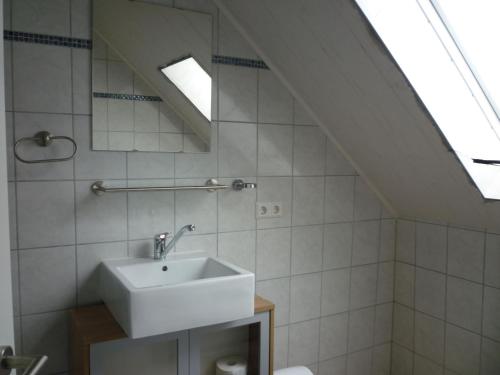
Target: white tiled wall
447,301
327,263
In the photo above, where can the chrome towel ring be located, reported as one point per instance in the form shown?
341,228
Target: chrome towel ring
44,139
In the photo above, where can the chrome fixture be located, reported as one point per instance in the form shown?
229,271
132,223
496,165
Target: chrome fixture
211,185
44,139
161,248
8,362
240,185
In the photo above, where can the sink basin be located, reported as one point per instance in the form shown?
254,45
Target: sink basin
149,297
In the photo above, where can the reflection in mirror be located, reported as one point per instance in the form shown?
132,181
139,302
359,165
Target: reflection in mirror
151,77
189,77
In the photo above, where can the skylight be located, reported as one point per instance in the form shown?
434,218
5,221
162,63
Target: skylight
446,49
193,81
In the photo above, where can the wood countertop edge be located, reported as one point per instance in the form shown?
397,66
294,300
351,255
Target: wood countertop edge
95,324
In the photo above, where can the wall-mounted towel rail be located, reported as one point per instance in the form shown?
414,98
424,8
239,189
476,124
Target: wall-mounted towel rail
44,139
211,185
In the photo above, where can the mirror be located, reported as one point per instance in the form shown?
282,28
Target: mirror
151,77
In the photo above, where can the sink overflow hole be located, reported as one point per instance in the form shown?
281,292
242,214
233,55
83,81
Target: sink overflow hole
164,268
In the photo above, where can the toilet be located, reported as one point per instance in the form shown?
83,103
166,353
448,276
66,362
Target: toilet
299,370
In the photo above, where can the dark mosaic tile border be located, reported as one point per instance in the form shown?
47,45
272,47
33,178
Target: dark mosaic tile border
19,36
54,40
142,98
239,61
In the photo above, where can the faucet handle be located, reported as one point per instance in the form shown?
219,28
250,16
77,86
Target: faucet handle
162,236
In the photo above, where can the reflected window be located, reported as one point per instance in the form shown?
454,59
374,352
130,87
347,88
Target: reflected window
193,81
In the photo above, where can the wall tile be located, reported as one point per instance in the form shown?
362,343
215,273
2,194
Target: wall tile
361,329
273,253
95,164
305,297
7,50
387,240
335,291
275,189
48,334
203,242
359,363
363,286
307,249
383,323
238,248
381,360
430,291
337,245
9,140
404,284
236,209
365,242
81,73
334,366
12,215
336,163
403,326
339,199
303,343
46,85
464,303
100,218
278,291
195,207
46,17
405,241
150,213
89,258
46,213
492,261
27,125
48,279
385,282
429,337
308,151
237,93
308,199
333,336
491,309
280,347
275,150
231,43
402,361
462,351
490,360
237,149
80,18
275,102
466,254
14,268
367,205
425,367
150,165
431,246
300,115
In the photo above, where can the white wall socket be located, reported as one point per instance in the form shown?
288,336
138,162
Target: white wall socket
269,209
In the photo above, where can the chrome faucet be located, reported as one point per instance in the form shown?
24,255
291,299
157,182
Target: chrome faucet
161,248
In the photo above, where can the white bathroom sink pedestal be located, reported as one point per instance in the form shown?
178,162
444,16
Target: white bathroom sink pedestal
150,297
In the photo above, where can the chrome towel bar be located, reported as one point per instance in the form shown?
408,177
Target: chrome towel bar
44,139
211,185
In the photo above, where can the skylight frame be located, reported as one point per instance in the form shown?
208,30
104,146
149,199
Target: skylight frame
426,53
463,55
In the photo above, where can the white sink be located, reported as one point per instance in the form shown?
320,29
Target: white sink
150,297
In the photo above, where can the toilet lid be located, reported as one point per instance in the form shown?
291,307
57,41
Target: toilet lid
299,370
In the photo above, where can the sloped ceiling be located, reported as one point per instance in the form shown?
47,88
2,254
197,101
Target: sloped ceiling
326,53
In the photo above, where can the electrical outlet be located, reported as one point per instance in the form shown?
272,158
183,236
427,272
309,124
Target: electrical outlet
269,209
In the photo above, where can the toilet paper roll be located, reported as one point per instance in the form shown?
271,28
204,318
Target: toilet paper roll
231,366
